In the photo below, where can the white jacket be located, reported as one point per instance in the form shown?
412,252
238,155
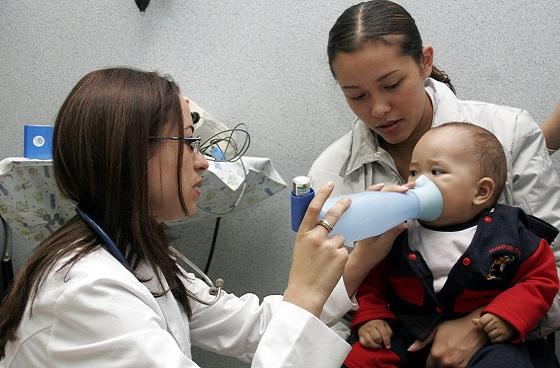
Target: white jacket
356,160
97,314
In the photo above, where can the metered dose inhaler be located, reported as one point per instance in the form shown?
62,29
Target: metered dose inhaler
373,213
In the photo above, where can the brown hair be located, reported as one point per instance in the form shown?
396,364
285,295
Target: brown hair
101,149
486,150
373,21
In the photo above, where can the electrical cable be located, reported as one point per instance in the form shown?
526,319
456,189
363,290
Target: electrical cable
213,245
231,144
237,141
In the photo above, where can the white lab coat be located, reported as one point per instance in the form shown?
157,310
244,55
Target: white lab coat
97,314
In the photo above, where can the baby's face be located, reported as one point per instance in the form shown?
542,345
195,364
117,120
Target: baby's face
441,156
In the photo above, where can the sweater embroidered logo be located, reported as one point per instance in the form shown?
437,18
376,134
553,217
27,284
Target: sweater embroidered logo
498,267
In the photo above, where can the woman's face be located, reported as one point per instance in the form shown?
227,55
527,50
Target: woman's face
385,89
162,173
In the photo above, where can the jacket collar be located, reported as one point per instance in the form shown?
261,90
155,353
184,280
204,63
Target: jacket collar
365,147
446,106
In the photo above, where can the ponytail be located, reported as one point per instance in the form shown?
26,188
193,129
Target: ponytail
442,77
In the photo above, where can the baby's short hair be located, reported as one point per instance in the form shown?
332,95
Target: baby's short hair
486,151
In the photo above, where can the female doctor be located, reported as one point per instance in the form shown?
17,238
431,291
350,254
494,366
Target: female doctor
124,151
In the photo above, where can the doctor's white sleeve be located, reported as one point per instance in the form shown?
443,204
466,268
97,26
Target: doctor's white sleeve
244,328
296,338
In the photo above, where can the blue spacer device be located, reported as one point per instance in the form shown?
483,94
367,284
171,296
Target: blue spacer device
373,213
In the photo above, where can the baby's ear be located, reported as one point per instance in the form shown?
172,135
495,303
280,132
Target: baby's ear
484,191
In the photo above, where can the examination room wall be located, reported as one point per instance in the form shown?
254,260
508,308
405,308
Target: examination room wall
262,63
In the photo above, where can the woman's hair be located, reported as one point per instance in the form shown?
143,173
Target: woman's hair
101,149
378,20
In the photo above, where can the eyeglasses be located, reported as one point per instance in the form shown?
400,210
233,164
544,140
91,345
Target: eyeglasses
192,142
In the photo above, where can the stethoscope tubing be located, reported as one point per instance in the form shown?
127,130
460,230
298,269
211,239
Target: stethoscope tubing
108,242
215,289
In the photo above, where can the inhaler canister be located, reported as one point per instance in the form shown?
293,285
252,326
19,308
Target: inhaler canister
301,185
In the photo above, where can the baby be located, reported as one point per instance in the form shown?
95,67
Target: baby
477,254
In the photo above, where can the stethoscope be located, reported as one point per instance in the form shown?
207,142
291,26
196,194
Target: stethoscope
214,288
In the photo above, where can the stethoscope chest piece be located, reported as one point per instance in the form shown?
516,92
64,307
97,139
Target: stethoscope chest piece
215,289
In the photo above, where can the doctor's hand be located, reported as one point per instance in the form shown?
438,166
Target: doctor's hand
318,262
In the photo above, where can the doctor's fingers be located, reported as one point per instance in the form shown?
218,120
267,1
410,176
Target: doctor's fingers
335,246
318,259
332,255
327,223
317,265
309,221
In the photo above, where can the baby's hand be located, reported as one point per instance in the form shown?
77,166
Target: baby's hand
496,328
375,334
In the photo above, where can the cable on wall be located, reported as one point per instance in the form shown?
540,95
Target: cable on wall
142,4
